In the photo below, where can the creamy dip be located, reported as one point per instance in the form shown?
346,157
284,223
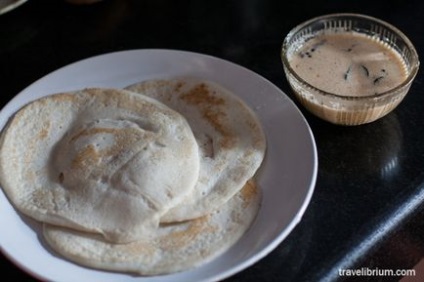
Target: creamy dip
349,64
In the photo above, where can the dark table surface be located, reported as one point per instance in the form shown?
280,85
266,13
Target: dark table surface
367,209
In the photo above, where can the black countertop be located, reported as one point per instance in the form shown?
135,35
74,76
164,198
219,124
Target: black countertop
367,209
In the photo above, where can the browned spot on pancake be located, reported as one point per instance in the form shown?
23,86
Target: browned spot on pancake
210,107
64,97
90,160
87,157
178,86
44,132
249,191
180,239
200,95
38,199
56,98
215,118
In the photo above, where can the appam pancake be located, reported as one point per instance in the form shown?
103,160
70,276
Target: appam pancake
230,137
99,160
176,246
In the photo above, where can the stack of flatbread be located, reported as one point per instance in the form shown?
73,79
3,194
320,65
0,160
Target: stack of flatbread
152,179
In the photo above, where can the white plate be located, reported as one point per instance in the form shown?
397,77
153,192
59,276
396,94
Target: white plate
287,177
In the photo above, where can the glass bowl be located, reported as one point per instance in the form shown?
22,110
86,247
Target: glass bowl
347,85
